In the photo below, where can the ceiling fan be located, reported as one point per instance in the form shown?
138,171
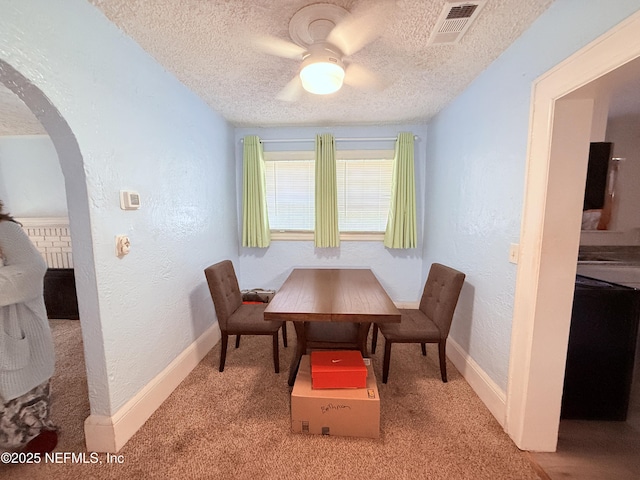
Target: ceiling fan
323,35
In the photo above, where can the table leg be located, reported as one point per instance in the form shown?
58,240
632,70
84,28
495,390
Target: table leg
363,333
301,349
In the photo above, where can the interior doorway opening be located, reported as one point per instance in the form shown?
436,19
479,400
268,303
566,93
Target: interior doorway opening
550,235
71,163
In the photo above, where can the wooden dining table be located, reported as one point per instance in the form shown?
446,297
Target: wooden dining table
330,295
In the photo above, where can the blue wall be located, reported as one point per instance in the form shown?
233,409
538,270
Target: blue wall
121,122
476,157
31,180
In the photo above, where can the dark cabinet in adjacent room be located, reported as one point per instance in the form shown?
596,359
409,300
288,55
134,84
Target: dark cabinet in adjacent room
60,297
601,350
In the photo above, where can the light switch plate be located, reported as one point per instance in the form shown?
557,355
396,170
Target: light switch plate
514,252
129,200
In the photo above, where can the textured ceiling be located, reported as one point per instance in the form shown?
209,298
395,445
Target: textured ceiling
15,117
204,43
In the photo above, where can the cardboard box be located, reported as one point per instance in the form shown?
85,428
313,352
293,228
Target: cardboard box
338,369
347,412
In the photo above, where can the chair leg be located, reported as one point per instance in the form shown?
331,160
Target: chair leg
387,360
442,345
284,333
374,338
223,350
424,349
276,356
237,341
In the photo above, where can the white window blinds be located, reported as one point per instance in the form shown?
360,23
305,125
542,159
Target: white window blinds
364,189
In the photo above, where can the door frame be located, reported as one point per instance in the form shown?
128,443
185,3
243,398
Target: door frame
550,236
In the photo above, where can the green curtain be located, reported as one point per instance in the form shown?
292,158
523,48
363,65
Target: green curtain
326,231
255,221
401,229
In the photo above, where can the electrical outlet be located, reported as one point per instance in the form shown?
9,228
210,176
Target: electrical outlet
123,245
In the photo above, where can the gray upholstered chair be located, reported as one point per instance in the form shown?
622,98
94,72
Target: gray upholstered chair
235,317
430,323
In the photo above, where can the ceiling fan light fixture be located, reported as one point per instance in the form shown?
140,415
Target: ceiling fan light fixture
322,74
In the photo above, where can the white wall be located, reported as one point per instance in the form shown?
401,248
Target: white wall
31,180
476,158
624,228
624,132
136,128
399,271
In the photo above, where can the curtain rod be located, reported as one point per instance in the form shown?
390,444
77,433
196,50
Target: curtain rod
363,139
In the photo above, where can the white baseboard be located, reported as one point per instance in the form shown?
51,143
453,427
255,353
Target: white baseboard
491,395
109,434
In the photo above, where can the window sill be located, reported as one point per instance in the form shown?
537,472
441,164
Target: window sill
346,236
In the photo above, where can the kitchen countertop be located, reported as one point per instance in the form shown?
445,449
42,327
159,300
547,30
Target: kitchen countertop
609,255
615,264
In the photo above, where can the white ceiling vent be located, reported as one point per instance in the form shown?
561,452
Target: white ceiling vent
455,19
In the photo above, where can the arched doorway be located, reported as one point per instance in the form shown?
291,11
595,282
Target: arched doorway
71,163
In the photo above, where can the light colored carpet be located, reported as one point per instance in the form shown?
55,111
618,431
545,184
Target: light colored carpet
236,425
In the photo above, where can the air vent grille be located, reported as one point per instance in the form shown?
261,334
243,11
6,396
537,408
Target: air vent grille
465,11
454,21
451,26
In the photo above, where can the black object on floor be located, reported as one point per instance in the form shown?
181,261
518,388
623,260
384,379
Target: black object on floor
601,351
60,297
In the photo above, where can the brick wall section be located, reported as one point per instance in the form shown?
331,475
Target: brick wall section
52,239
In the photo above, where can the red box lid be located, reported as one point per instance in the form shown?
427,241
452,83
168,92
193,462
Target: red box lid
337,360
338,369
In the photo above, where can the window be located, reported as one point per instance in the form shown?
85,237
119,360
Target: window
364,190
290,179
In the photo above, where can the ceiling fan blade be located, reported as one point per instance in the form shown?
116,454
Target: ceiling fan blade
359,28
360,77
278,47
291,91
